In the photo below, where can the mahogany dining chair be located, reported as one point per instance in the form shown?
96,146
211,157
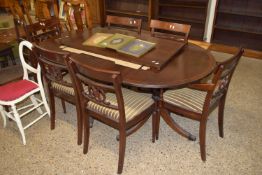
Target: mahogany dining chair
133,24
59,84
198,100
170,30
101,96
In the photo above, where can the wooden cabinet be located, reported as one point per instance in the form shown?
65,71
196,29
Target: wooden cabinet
95,10
238,23
4,3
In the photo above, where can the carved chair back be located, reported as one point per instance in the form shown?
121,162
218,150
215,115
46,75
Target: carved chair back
43,30
179,31
52,65
45,9
130,23
81,14
99,82
221,80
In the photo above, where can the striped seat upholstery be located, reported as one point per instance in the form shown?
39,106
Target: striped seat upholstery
135,103
186,98
66,89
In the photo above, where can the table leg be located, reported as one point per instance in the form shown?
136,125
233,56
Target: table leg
162,112
177,128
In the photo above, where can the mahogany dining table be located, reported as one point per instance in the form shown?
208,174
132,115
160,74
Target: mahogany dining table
190,64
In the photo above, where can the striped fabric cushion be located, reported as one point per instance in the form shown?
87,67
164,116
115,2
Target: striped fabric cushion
66,89
135,103
186,98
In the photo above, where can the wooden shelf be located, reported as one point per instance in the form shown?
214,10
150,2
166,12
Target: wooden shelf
196,21
251,31
125,12
182,5
241,13
238,23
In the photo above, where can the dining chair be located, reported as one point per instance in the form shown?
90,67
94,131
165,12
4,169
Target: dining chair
198,100
43,30
78,14
15,95
59,84
169,30
106,101
133,24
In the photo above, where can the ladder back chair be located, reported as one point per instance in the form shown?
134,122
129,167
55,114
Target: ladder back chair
78,12
59,84
198,100
18,92
175,30
106,101
133,24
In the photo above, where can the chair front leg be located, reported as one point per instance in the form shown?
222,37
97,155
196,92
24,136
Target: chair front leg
19,123
3,114
52,109
202,138
86,133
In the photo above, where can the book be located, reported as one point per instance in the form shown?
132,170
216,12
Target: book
116,41
121,43
137,48
95,39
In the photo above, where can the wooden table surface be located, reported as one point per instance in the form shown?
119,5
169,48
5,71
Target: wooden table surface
190,65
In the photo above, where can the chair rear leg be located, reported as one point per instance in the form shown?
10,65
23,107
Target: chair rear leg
3,115
122,148
63,105
52,110
202,137
35,103
221,116
19,123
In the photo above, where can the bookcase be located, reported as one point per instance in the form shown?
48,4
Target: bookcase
192,12
238,23
128,8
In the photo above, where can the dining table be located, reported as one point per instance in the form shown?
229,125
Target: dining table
170,65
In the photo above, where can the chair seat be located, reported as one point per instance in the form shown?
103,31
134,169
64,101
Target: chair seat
14,90
135,103
66,89
189,99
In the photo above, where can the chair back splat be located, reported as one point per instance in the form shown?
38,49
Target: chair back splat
134,24
169,30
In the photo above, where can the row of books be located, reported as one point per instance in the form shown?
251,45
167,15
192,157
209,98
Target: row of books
121,43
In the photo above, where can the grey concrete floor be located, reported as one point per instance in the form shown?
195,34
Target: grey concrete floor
56,151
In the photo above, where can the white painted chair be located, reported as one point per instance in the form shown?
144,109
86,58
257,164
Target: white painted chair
15,92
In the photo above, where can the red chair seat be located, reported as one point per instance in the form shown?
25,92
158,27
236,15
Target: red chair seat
14,90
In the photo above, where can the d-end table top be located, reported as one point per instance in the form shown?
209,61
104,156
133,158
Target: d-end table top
190,65
156,58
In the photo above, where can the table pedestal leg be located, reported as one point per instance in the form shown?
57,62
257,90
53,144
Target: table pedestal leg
170,122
